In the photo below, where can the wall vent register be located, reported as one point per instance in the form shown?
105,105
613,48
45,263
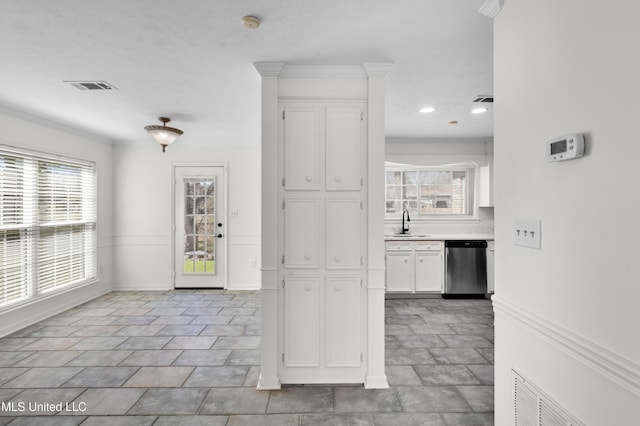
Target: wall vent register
532,407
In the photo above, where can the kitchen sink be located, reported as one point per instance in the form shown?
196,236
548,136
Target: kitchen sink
408,235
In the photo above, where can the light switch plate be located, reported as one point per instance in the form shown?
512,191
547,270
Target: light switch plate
527,233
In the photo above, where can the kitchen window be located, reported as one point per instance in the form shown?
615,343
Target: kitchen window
429,192
47,224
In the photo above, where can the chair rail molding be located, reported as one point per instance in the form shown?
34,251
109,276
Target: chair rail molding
612,365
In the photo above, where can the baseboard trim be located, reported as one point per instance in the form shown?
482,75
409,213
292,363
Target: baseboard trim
46,307
376,382
613,366
268,383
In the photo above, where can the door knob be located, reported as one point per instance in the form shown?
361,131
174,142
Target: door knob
219,236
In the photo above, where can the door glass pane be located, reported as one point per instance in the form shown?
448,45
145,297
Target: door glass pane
199,226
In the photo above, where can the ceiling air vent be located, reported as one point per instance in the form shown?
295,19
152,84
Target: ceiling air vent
92,85
483,98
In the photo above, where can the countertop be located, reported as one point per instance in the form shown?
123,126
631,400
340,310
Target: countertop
438,237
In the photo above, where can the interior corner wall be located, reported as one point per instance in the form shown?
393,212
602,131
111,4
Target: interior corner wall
26,132
567,315
143,212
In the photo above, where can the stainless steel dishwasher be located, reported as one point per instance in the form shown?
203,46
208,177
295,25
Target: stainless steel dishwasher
466,267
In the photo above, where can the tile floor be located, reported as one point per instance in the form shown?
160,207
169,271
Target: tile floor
191,358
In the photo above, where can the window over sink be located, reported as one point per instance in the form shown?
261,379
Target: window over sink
429,192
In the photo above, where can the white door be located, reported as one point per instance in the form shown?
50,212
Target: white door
199,233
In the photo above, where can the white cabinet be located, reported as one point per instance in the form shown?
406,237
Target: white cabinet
490,267
344,136
343,233
415,266
302,321
302,136
401,272
343,346
323,242
485,185
301,232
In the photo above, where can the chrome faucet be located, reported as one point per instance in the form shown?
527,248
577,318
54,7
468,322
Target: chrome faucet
405,225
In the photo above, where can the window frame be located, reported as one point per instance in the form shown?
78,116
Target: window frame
57,214
471,198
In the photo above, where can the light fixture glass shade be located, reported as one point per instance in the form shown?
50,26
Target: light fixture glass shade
164,135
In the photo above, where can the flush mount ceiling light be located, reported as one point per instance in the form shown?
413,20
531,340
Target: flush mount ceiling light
478,111
251,22
162,134
427,110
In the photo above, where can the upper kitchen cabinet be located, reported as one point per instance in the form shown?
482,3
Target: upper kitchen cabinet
485,184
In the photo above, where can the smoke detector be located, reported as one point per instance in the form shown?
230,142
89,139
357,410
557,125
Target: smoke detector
251,22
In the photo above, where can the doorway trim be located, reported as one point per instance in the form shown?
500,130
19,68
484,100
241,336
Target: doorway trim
225,197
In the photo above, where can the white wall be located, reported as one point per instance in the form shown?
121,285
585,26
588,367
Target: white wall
435,152
143,211
567,315
26,132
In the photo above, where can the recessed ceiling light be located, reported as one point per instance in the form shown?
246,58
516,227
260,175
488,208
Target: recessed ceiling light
427,110
478,111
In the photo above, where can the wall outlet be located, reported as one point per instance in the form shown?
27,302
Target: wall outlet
527,233
233,214
254,263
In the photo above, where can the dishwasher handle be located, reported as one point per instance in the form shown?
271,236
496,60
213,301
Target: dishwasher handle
466,243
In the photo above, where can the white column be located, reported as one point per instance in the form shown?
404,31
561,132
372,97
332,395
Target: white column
269,249
376,377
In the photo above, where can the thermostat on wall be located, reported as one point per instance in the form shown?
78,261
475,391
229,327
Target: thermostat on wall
565,147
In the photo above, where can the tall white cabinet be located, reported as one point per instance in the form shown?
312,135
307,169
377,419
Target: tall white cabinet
323,245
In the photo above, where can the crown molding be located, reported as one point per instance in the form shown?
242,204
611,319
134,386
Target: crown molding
377,69
323,71
491,8
282,70
269,69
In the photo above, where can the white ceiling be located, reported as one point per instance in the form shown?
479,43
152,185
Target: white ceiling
192,60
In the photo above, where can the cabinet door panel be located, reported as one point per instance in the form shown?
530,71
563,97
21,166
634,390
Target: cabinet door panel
429,275
343,234
344,131
302,143
302,233
343,322
301,322
400,271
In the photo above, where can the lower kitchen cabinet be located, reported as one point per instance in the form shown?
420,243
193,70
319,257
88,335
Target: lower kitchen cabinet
401,272
415,266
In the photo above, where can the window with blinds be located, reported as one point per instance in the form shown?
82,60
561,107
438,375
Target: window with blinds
429,192
47,224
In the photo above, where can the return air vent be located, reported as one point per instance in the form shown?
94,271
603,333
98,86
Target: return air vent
483,98
92,85
534,408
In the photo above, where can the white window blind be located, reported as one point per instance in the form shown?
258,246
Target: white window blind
47,224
